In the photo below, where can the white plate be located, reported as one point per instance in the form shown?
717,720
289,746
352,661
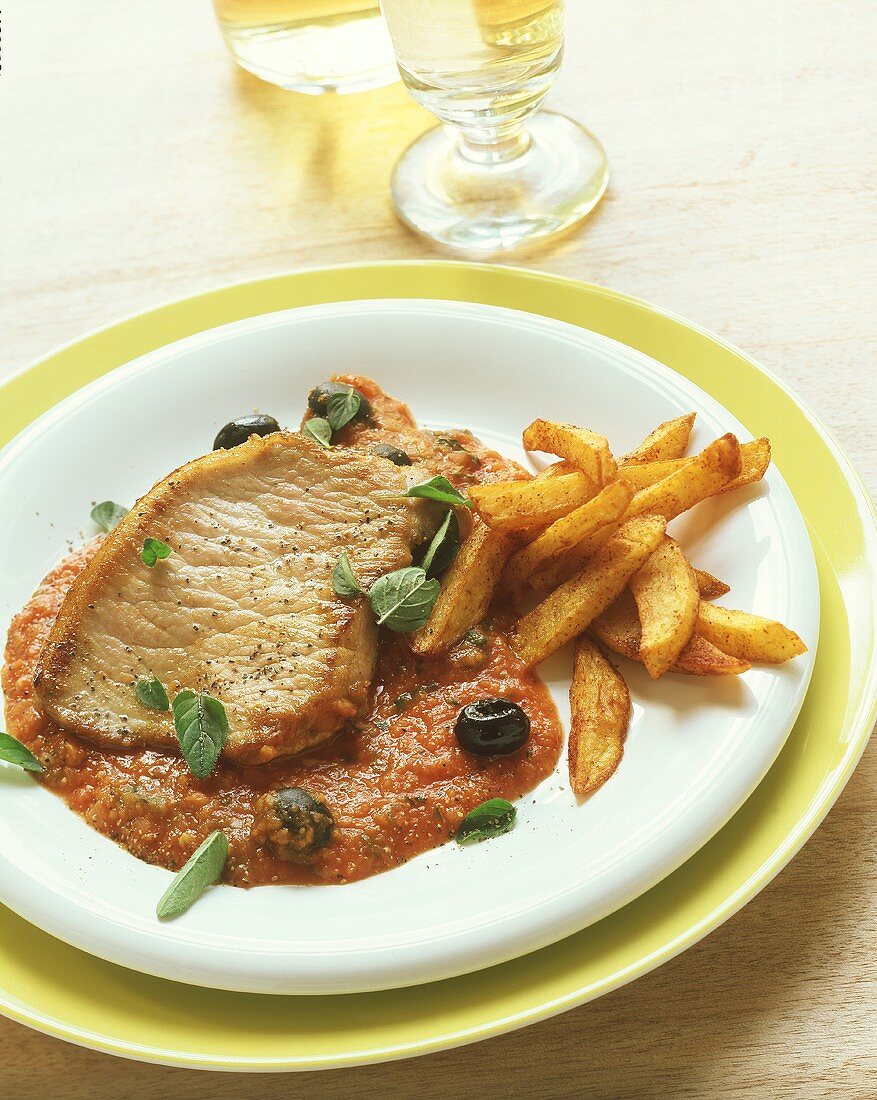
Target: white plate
695,751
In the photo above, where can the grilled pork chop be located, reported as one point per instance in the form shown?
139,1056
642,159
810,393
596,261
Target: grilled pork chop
243,607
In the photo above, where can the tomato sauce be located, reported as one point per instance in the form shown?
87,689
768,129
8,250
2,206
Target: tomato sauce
397,783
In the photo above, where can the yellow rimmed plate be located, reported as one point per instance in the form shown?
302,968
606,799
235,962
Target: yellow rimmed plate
67,993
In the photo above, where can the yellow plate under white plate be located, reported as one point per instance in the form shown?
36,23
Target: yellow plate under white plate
72,995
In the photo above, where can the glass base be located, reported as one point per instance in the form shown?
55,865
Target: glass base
483,207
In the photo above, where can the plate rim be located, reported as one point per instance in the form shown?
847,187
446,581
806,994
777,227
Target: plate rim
486,281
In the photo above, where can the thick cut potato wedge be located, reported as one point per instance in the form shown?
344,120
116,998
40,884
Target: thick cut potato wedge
600,709
567,532
569,609
467,588
668,440
520,506
709,586
754,461
586,450
555,470
748,637
618,628
693,481
667,598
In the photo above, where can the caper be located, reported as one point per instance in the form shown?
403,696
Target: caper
319,396
397,457
492,727
240,429
299,824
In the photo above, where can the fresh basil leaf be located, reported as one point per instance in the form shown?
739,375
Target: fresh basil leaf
342,407
107,514
492,818
403,600
440,489
13,752
319,429
443,548
344,579
202,728
151,694
153,551
201,870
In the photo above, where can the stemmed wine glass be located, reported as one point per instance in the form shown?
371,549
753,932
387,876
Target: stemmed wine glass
500,174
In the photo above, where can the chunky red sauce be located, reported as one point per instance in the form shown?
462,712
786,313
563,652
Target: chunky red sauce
396,783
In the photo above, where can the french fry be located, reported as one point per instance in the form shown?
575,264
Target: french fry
748,637
668,440
618,628
693,481
754,461
667,598
709,586
555,470
600,714
466,590
520,506
586,450
567,532
567,611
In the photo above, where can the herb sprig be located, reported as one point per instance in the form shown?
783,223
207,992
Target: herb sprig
154,550
201,870
492,818
14,752
440,489
201,725
107,514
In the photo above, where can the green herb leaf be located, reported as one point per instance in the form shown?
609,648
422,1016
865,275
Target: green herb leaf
492,818
443,548
440,489
202,728
13,752
403,701
449,442
151,694
107,514
344,579
201,870
153,551
319,429
403,600
341,408
475,637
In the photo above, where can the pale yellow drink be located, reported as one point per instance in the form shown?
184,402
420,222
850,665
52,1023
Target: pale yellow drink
309,46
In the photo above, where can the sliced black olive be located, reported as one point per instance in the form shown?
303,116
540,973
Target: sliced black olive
298,824
492,727
319,396
240,429
397,457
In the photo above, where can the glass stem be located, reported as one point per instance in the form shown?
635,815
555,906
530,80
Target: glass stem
494,145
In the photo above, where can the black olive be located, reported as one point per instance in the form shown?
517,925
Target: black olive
397,457
304,823
492,727
240,429
319,396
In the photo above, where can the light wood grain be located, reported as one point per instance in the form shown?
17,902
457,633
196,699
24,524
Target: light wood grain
138,164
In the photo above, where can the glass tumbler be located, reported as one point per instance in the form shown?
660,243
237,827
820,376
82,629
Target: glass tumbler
311,46
499,174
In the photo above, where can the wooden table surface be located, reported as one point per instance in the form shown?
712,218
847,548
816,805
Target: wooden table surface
138,164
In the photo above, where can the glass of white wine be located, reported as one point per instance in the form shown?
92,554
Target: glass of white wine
500,174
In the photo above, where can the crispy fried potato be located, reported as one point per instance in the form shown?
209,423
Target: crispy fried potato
466,590
689,483
600,710
569,609
698,478
521,506
618,628
709,586
754,461
667,599
555,470
748,637
586,450
668,440
567,532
